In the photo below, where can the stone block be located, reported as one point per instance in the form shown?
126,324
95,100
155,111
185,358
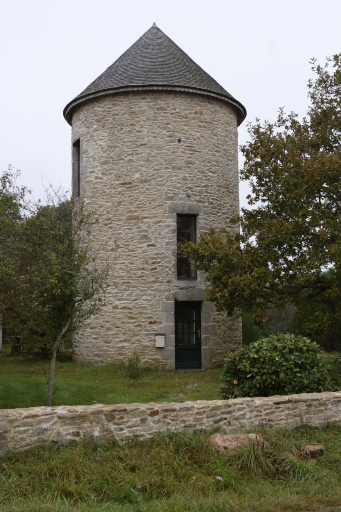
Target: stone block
168,353
167,307
231,443
313,450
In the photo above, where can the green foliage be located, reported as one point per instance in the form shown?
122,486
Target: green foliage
251,331
12,199
278,365
60,284
319,318
49,281
280,320
292,231
335,363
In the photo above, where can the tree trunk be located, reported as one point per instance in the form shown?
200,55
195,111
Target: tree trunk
53,363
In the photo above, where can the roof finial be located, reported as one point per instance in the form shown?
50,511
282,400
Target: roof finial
154,25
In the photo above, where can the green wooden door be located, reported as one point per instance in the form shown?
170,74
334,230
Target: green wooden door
187,335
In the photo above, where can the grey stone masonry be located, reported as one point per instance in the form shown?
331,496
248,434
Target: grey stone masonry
21,429
144,158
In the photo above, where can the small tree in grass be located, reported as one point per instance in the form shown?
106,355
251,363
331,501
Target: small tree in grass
62,281
51,279
278,365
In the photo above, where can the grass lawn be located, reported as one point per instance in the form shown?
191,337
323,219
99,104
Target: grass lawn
23,383
176,473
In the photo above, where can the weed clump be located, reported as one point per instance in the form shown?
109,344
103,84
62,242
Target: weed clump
133,366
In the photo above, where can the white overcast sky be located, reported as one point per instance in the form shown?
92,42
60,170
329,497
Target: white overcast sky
50,50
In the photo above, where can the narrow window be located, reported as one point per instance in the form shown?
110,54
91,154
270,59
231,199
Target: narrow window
76,168
186,232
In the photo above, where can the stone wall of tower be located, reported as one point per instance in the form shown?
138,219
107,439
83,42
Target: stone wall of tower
144,158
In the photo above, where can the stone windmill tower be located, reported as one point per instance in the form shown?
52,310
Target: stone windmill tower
155,159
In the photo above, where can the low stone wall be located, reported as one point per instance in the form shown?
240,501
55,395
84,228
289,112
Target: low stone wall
24,428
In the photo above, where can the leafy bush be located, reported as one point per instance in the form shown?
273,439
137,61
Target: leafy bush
281,364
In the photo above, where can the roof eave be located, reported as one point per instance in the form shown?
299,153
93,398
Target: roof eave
72,105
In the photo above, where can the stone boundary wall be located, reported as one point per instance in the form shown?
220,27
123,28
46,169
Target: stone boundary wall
21,429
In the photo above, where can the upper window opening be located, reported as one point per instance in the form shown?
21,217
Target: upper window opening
76,168
186,232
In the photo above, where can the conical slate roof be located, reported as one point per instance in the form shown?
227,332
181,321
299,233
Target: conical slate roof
154,62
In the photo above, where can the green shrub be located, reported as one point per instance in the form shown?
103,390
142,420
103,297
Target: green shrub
281,364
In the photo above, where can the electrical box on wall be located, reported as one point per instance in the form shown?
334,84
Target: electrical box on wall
160,340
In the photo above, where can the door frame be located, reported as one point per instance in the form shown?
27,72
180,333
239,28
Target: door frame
183,353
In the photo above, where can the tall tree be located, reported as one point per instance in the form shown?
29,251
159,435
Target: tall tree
12,214
292,233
